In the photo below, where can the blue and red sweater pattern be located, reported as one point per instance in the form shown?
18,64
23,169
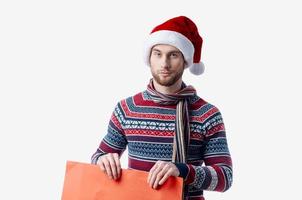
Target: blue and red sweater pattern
147,128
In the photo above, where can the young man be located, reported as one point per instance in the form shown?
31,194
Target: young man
168,128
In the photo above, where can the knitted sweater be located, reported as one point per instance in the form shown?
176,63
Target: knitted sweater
147,128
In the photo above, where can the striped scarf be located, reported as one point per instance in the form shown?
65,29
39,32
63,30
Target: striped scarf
182,126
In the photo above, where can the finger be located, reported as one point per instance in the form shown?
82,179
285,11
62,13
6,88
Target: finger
160,175
102,167
165,177
117,164
154,173
113,166
151,172
107,167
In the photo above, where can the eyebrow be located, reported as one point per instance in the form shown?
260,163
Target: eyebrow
173,51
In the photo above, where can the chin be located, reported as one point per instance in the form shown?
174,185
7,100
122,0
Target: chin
167,82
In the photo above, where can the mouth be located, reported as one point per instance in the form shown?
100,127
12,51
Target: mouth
165,74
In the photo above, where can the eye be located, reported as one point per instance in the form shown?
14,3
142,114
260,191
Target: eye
174,55
155,53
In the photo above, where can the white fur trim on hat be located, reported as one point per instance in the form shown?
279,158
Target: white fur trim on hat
197,68
171,38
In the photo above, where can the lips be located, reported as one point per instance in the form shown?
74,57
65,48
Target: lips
165,73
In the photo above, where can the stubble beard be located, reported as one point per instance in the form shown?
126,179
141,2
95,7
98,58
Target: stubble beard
169,81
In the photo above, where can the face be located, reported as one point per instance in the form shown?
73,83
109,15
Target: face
167,64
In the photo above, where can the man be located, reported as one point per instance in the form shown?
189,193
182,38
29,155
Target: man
168,128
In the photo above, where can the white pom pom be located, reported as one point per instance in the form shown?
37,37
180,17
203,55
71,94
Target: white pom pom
197,68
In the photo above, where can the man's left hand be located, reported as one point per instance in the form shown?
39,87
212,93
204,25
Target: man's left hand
160,172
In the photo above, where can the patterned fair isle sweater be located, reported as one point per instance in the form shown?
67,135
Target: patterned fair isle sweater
147,128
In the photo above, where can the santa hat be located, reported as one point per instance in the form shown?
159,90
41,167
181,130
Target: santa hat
182,33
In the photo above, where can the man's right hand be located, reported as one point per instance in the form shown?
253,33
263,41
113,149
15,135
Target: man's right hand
110,164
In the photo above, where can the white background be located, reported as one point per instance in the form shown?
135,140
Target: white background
65,64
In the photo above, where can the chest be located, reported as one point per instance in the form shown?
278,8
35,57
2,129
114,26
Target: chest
151,139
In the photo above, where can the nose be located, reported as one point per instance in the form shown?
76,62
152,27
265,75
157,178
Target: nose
165,62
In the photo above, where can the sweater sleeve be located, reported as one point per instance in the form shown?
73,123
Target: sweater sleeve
115,140
217,173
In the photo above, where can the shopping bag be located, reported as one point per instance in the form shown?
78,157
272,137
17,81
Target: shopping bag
87,182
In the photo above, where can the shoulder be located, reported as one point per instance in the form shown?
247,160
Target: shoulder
203,111
201,105
136,97
207,116
130,101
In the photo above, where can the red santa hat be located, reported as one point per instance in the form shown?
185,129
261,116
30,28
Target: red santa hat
182,33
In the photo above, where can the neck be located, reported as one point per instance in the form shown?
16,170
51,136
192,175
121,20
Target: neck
168,89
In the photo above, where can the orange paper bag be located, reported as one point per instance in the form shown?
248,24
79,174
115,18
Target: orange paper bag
87,182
